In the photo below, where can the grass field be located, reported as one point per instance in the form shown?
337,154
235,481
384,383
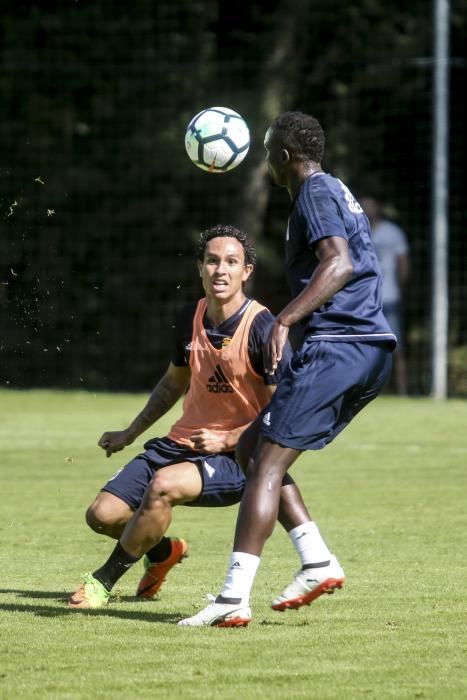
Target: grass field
389,495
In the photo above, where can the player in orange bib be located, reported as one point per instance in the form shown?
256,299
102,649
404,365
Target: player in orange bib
218,364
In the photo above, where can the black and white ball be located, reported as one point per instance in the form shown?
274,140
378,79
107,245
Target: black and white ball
217,139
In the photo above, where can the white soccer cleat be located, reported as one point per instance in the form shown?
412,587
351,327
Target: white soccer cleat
219,615
309,584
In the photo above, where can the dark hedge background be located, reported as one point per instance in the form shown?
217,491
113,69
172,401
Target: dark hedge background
100,206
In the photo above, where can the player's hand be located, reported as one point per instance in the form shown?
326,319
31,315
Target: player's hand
208,442
275,346
114,441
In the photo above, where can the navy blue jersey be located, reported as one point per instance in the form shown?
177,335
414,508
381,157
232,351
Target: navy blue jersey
325,207
220,335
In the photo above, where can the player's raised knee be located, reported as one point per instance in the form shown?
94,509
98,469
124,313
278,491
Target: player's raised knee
108,515
162,487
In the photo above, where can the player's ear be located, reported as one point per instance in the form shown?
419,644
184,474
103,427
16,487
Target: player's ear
285,156
200,268
247,272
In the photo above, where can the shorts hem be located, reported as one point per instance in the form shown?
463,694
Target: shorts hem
293,444
123,497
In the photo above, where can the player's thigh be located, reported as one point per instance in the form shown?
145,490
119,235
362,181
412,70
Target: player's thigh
178,483
248,442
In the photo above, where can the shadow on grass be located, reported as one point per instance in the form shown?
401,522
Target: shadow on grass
51,595
64,595
55,612
63,610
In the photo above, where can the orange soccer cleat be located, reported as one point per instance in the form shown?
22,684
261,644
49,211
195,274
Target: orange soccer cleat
156,572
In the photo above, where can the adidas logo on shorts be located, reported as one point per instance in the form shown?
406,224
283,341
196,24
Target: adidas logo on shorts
218,383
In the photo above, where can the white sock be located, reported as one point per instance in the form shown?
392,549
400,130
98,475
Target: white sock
309,544
240,576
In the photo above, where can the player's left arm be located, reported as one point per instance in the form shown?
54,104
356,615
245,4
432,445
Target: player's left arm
331,274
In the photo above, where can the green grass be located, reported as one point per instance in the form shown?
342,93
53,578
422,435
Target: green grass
389,496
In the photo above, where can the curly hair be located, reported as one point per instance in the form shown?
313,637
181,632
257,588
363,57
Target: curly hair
301,134
226,231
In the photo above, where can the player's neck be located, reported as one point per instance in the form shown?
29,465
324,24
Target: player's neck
219,310
299,174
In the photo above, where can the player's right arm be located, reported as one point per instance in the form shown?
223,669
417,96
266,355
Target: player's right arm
164,395
333,271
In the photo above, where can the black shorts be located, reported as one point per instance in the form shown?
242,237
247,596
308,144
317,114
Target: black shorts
222,477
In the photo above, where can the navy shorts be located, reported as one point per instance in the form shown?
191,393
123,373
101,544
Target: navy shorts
222,477
323,387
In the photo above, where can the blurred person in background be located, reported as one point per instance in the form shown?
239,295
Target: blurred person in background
392,250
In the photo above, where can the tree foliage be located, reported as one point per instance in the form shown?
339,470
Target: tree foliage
100,206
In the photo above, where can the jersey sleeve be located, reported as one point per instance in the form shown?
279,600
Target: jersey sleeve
183,331
320,216
259,335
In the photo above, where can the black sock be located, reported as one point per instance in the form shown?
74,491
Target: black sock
161,551
116,565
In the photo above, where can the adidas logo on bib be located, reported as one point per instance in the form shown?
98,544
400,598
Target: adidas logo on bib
218,383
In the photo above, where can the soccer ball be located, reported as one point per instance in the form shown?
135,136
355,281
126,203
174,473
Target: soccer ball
217,139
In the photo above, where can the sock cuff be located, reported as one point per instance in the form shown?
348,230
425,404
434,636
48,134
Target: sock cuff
244,559
305,528
240,576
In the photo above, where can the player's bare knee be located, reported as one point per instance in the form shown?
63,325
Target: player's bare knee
262,471
94,520
105,519
159,492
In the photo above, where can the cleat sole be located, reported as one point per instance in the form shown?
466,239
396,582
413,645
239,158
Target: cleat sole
234,622
328,586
